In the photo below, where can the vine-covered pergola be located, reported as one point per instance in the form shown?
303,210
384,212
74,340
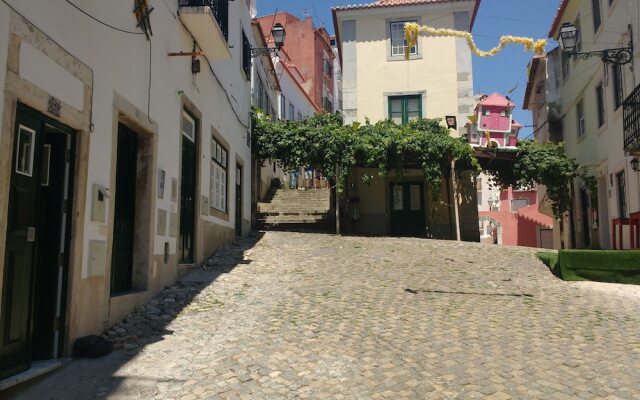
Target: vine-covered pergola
323,141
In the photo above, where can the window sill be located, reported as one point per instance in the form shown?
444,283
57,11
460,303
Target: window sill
219,214
401,58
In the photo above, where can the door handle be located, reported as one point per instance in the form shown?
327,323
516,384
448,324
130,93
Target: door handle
31,234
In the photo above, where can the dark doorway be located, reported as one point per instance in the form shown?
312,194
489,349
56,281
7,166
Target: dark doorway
37,242
187,191
238,200
125,211
407,209
584,200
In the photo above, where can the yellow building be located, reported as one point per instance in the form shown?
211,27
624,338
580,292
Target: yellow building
378,83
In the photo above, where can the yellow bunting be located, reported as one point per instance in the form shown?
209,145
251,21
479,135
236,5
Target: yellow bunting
412,30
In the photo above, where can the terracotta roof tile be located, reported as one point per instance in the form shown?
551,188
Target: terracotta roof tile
558,17
395,3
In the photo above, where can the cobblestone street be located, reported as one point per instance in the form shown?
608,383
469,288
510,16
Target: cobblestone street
322,316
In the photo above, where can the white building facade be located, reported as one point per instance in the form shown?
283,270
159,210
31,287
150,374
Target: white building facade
141,158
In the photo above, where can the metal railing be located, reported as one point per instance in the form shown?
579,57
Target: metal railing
631,118
219,9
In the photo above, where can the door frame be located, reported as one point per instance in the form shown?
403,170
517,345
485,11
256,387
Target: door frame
63,283
18,90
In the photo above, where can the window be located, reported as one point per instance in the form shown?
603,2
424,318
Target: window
398,42
218,176
622,196
597,18
292,112
580,118
259,94
403,109
485,112
246,55
188,126
616,72
517,204
25,150
283,107
600,104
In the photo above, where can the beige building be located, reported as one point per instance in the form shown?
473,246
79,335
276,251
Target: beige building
124,160
599,128
378,83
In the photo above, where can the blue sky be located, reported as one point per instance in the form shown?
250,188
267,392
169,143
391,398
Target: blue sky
504,73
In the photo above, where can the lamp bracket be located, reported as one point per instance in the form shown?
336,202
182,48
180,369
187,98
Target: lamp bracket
262,51
619,56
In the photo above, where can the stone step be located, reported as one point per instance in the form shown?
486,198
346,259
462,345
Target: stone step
299,219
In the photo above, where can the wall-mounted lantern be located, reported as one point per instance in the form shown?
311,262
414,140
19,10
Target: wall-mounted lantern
278,33
635,164
568,40
452,122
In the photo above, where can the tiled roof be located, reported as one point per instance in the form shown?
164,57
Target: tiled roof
396,3
558,17
496,99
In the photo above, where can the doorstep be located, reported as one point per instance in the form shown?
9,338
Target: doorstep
38,368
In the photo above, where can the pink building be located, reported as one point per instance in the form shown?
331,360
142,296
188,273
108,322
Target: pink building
308,51
492,123
507,216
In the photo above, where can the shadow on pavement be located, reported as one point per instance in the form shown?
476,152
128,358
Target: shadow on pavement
95,378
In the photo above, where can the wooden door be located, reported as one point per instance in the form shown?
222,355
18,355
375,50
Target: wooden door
407,209
187,201
125,211
21,233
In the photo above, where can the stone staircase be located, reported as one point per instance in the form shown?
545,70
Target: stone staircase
296,210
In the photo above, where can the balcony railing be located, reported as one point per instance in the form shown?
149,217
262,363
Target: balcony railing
219,9
631,119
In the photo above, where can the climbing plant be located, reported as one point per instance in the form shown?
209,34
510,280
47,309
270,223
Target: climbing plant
545,164
324,141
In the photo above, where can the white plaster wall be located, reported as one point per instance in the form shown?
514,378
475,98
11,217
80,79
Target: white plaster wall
4,44
293,94
120,63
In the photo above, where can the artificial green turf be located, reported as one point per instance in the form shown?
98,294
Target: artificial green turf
615,266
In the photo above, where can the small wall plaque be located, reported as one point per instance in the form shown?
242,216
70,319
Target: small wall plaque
54,106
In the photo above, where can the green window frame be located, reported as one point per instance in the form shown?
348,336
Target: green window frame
405,108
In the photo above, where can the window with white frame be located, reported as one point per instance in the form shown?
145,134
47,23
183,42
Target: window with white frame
218,176
398,42
580,118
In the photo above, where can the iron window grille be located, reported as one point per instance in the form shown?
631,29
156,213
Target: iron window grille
631,118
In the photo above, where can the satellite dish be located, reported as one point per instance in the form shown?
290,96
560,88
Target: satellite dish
496,203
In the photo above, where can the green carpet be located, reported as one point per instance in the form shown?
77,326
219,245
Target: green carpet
615,266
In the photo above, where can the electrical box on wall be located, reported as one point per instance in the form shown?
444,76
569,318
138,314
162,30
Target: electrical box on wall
99,199
97,257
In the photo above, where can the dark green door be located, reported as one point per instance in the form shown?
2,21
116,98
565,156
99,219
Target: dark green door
187,201
15,343
407,209
125,211
238,201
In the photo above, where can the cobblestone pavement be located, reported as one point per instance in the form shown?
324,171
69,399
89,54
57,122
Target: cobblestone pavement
321,316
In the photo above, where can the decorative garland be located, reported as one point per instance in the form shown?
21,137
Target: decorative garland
412,30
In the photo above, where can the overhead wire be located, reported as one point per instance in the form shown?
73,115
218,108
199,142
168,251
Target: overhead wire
102,22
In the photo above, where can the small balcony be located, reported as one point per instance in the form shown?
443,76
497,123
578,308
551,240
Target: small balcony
208,21
631,121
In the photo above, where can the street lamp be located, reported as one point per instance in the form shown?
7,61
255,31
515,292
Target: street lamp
278,34
568,39
634,164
